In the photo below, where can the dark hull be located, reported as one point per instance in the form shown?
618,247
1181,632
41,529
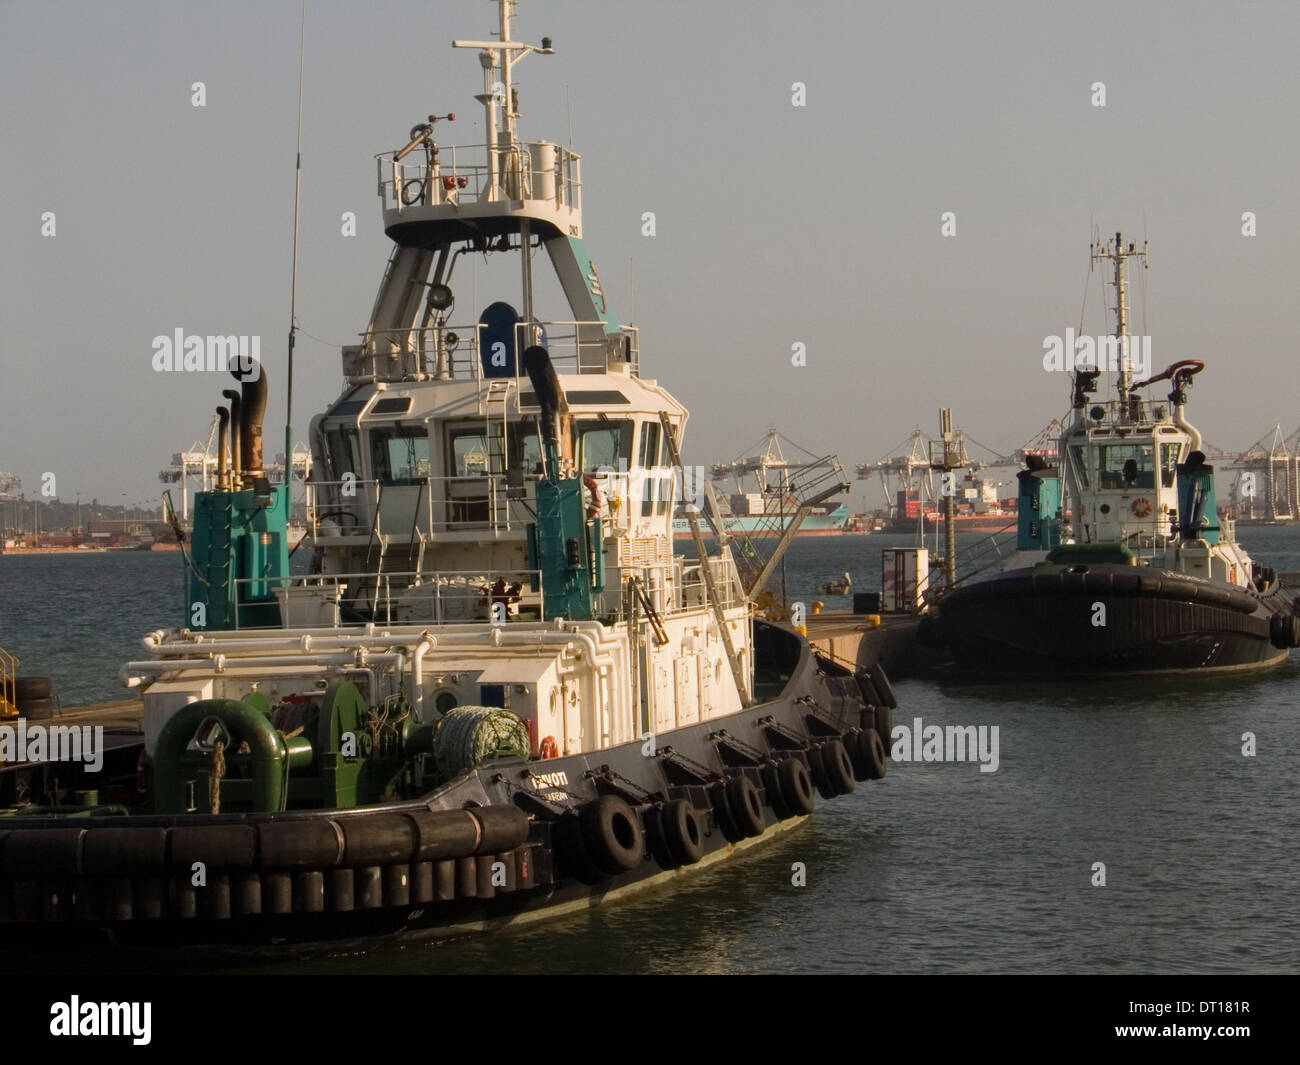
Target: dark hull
254,904
1034,625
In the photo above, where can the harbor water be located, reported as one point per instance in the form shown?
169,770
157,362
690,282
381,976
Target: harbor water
938,868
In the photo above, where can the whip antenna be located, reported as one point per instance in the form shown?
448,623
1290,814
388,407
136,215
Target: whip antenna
293,292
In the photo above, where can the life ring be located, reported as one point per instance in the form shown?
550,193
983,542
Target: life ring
593,508
1140,507
549,748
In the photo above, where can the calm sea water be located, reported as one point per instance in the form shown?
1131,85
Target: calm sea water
938,868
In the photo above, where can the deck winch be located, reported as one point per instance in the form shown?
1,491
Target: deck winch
331,752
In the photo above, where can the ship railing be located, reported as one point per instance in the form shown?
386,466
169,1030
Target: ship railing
409,510
1116,412
447,597
691,592
1149,547
677,587
442,597
980,557
582,347
450,351
536,171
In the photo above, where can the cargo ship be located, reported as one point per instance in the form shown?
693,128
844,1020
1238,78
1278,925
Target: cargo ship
769,493
977,509
826,523
499,695
19,547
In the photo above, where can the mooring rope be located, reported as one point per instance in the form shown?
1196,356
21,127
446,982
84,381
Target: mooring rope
214,778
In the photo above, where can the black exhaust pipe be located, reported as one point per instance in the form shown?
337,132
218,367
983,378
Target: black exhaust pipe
550,394
252,411
233,396
223,449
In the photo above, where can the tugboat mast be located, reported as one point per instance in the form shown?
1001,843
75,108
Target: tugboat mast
1117,253
502,138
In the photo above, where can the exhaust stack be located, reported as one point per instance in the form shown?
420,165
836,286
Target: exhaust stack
235,420
554,407
223,449
252,410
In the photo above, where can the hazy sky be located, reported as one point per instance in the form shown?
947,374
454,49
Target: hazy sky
776,224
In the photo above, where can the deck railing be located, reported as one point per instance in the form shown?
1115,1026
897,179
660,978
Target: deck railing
434,596
451,351
410,510
462,596
455,178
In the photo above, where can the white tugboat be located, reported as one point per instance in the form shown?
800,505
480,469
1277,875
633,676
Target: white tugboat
499,693
1123,564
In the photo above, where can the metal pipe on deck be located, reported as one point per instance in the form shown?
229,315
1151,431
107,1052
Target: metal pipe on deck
223,449
236,464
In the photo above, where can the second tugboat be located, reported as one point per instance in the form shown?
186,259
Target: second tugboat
1123,563
499,694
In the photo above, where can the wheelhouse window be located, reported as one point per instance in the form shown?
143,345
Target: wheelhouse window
399,455
470,452
665,494
344,452
1168,464
1082,467
526,446
1127,466
648,454
601,445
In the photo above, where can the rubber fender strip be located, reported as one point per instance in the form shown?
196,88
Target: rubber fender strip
443,834
38,855
379,839
504,828
298,845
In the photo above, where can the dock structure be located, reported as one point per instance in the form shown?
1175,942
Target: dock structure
1266,486
855,642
